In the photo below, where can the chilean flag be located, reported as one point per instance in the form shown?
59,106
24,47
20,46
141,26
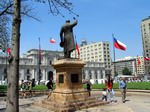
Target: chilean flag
8,50
139,62
77,48
119,45
52,40
146,59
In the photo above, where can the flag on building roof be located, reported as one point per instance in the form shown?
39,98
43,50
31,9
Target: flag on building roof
52,40
119,45
146,58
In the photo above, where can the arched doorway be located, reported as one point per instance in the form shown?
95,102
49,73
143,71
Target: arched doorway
50,75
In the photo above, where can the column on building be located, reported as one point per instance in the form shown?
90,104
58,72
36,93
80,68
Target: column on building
24,74
44,74
93,74
54,75
21,75
33,73
86,74
101,76
104,74
92,79
98,74
36,73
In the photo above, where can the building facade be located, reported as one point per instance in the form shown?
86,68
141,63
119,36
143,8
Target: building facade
145,30
29,67
95,52
134,64
95,71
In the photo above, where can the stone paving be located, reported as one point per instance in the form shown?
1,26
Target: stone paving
134,103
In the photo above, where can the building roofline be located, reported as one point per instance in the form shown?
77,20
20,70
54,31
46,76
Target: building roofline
146,18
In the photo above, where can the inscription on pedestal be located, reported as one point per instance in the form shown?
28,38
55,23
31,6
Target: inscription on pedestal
61,78
74,78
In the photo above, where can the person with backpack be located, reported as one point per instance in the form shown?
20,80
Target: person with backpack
23,89
50,87
33,82
88,87
31,85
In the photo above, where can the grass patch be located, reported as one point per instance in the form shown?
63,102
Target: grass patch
130,85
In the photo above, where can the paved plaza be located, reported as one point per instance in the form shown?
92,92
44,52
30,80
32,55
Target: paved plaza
138,102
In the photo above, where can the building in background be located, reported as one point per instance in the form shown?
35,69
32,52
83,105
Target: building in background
134,64
95,52
29,67
95,71
145,30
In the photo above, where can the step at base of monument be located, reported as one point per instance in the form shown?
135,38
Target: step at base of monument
71,106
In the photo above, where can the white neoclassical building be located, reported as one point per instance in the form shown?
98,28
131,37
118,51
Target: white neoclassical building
95,71
30,69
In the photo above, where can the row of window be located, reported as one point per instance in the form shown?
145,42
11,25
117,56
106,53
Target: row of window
95,46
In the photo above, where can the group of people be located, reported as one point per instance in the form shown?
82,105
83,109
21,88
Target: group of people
30,84
27,86
108,92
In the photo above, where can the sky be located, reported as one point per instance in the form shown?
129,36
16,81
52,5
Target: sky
97,21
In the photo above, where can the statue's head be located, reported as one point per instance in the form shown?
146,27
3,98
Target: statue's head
67,21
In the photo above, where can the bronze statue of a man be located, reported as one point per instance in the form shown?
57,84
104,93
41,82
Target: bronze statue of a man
67,38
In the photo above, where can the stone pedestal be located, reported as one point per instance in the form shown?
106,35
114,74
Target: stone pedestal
69,94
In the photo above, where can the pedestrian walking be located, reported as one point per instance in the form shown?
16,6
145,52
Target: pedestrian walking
123,88
50,87
104,94
109,85
30,88
23,89
88,87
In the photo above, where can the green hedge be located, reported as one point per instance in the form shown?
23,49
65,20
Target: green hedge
130,85
3,88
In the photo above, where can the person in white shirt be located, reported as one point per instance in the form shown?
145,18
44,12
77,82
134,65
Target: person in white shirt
104,94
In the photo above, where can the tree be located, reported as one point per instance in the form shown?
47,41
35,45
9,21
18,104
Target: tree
13,77
4,32
126,71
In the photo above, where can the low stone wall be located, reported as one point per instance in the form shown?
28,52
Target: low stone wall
117,92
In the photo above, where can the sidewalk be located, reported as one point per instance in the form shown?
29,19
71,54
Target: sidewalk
134,103
25,105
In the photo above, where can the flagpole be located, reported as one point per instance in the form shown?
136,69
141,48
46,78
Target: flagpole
145,67
114,56
137,63
39,62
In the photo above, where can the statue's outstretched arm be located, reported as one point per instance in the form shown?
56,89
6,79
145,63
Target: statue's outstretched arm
74,23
